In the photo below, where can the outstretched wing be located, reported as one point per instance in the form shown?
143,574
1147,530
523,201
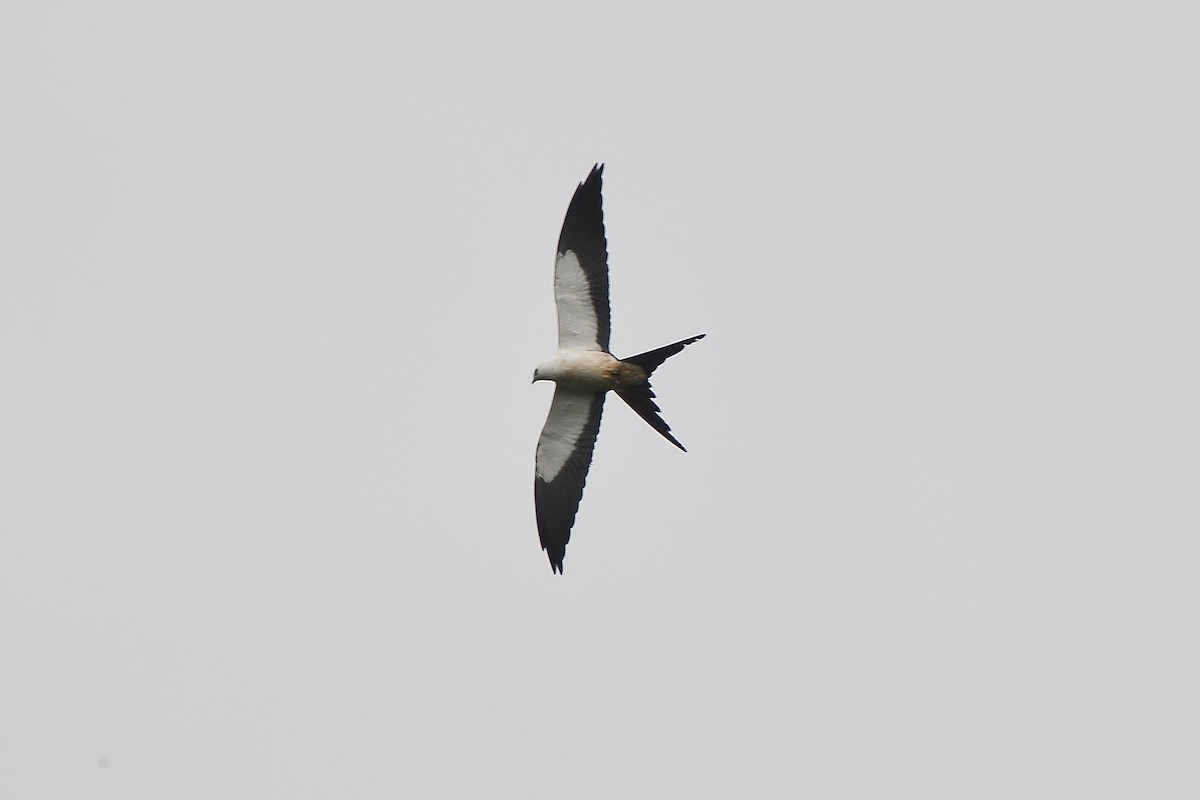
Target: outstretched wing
564,453
581,271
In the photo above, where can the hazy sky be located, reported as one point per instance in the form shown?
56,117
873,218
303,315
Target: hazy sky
273,281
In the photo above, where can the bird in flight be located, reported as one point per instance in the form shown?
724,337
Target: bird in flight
583,371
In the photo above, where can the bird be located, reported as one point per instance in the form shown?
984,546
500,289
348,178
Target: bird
584,371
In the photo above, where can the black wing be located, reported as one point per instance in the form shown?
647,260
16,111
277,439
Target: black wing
564,453
581,271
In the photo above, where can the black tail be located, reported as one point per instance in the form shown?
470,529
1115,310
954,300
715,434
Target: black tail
641,398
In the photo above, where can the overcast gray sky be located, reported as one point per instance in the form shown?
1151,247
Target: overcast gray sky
273,280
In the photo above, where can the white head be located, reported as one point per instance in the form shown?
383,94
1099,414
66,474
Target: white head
546,372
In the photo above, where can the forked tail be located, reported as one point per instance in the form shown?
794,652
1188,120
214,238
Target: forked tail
641,398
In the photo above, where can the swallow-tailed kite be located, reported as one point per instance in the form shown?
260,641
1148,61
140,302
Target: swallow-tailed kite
583,371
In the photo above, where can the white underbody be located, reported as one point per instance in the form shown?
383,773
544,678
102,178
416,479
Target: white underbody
588,371
585,370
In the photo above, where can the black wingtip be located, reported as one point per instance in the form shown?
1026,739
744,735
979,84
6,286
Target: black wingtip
556,556
594,176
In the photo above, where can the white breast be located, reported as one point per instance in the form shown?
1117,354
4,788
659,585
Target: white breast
580,369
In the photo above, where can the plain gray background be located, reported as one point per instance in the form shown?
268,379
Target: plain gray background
275,276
